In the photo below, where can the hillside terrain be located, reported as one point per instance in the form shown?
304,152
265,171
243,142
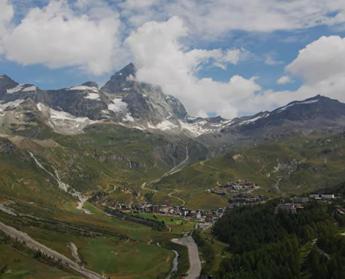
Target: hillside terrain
87,171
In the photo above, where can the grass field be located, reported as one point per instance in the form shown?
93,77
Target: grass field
18,264
118,258
126,250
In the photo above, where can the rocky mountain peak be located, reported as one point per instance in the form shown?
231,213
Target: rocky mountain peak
127,71
145,102
318,114
6,83
121,81
315,107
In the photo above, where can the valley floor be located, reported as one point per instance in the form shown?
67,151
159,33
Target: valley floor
106,246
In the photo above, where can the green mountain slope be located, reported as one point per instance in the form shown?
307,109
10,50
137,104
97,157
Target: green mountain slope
295,165
104,157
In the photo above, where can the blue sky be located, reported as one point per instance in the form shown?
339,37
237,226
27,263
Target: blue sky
218,56
281,46
259,45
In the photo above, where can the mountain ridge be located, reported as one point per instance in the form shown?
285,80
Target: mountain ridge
122,100
134,104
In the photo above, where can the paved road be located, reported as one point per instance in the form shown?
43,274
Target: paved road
34,245
193,255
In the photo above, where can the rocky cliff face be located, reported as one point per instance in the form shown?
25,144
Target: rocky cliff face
128,102
6,83
123,100
145,102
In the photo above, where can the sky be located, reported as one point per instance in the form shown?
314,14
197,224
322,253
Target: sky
219,57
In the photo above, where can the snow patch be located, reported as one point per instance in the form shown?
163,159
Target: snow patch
196,129
29,89
16,89
128,118
117,105
151,126
105,111
93,96
252,120
84,88
12,104
307,102
64,122
166,125
92,92
130,78
21,88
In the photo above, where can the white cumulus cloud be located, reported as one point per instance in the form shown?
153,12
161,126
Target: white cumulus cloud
321,65
162,59
320,59
56,36
284,80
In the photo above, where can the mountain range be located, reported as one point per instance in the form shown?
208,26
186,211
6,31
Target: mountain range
67,154
130,134
125,101
122,100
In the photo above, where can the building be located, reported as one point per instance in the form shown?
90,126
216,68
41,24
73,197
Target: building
327,196
322,196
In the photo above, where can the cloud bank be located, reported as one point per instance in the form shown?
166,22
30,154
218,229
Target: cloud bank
212,18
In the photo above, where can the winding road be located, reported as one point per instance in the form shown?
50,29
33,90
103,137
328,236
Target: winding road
193,255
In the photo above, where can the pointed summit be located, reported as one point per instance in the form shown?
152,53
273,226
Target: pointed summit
6,83
122,80
127,71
